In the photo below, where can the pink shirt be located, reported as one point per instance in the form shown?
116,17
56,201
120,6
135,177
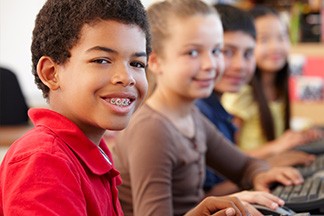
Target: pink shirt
55,169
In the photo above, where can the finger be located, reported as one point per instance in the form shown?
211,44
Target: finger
258,197
288,176
268,200
226,212
215,204
294,176
305,160
303,155
241,208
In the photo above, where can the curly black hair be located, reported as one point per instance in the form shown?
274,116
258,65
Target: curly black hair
58,26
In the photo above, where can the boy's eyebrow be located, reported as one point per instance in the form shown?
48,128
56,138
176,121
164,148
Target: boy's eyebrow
101,48
232,46
109,50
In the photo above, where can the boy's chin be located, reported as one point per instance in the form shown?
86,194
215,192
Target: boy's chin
118,125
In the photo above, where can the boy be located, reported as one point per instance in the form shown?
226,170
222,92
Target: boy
93,77
89,59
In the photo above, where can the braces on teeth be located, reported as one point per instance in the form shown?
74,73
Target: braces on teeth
120,102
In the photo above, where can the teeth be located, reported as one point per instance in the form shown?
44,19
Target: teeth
120,101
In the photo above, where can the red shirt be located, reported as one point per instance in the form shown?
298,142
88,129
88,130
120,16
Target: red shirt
55,169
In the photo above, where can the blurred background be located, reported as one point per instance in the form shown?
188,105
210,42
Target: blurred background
304,17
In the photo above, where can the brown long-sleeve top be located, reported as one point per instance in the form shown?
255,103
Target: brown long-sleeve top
163,170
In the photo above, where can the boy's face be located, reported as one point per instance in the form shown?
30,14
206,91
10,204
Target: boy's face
239,61
103,82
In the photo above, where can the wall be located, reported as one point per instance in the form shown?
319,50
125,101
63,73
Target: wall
16,25
17,21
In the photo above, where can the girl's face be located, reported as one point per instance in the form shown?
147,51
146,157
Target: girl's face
104,80
239,60
191,59
272,47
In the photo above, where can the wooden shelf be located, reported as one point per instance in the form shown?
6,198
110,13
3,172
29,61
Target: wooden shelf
308,49
312,111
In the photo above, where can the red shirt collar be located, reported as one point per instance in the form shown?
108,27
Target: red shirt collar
78,142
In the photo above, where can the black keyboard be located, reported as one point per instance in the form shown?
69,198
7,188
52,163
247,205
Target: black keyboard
316,166
305,197
315,147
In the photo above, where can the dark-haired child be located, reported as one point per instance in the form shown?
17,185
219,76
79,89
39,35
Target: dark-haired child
93,78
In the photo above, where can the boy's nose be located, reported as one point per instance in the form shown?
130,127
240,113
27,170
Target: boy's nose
238,61
123,76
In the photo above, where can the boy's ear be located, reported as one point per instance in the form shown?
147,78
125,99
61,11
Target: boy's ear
154,63
47,72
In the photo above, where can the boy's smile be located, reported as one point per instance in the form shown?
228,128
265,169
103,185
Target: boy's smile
103,82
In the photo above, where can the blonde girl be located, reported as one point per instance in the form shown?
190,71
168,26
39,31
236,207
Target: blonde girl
162,154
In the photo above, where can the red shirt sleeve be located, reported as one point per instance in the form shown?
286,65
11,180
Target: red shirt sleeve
42,184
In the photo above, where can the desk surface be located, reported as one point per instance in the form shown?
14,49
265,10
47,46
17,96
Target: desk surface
308,49
8,134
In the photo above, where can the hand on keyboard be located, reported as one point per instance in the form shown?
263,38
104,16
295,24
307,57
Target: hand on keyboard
309,195
291,158
284,175
304,197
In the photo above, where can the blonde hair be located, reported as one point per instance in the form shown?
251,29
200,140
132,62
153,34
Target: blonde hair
160,17
161,13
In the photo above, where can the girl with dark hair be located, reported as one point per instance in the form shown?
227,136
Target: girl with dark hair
262,109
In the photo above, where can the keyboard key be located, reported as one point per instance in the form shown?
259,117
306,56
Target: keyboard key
305,197
313,193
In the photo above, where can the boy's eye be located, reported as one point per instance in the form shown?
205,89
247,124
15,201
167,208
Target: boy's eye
138,64
101,61
228,53
248,54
